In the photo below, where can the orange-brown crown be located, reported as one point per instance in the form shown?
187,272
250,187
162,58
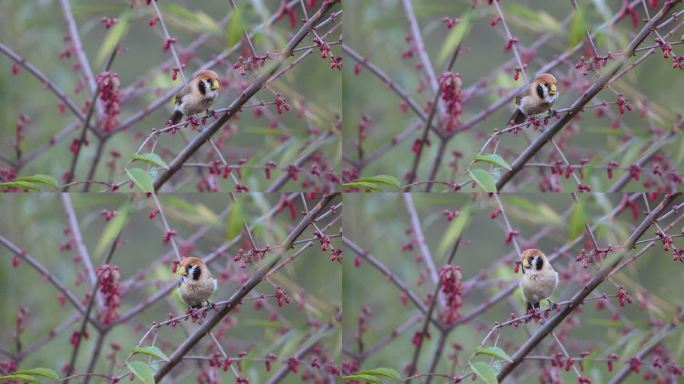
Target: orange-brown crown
189,261
546,78
530,253
211,76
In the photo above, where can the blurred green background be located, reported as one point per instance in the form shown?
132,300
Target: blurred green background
36,223
36,29
481,258
379,30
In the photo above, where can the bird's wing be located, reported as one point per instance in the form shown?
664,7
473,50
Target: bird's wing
184,91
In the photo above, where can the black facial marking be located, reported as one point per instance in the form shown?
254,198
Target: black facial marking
202,87
540,91
193,270
540,263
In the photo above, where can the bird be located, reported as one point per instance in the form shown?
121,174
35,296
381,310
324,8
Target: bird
538,98
196,96
196,282
539,279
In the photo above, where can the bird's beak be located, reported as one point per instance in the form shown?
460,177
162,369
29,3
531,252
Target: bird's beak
215,85
183,272
526,263
552,91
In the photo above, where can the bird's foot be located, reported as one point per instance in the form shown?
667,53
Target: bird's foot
553,113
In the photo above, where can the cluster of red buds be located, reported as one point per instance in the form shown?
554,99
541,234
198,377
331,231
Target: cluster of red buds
450,21
108,276
107,22
586,65
281,104
250,63
108,83
450,87
450,285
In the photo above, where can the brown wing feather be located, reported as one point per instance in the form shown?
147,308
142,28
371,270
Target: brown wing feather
184,91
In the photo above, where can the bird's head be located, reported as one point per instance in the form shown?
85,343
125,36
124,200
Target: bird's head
208,82
191,267
545,87
534,260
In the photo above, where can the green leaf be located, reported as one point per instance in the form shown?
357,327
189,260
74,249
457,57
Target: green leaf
20,185
381,179
577,220
494,351
141,178
455,229
235,219
113,229
456,36
578,27
495,159
115,35
45,372
483,179
141,371
362,378
235,27
24,378
152,351
43,179
387,372
362,185
151,158
484,372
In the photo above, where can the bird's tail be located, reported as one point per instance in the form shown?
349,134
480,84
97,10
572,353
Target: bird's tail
176,117
517,118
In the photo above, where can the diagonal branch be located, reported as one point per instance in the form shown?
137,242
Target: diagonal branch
247,94
589,94
579,297
177,356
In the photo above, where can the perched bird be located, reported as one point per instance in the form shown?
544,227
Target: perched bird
538,98
197,96
197,283
539,279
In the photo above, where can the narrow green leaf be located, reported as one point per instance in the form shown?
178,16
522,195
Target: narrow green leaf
235,219
43,179
20,185
362,378
495,159
151,158
483,179
141,178
115,35
141,371
381,179
387,372
456,36
577,220
494,351
152,351
455,229
235,27
362,185
113,228
578,27
484,372
23,378
45,372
